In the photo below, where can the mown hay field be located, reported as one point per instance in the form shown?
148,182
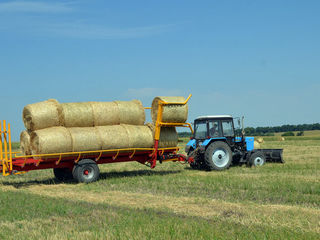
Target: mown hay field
130,201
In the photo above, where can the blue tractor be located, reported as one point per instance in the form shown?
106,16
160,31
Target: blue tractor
216,145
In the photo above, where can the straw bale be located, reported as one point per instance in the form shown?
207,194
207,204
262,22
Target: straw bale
260,140
131,112
256,145
171,113
168,136
113,137
42,115
51,140
139,136
78,114
105,113
25,143
85,139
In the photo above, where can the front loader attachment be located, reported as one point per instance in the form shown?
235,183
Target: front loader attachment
273,155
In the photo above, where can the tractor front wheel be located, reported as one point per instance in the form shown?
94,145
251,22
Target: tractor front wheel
218,156
257,159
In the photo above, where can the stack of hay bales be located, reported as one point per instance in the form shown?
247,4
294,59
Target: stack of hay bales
52,127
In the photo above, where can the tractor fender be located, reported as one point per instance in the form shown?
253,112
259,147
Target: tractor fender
208,141
191,145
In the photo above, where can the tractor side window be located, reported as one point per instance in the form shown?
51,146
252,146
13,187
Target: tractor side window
214,129
227,129
201,130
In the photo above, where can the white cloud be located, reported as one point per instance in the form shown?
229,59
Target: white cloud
35,7
91,31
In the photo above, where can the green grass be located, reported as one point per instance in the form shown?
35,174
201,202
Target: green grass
172,201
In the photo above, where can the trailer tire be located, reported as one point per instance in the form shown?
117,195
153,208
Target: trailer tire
86,171
218,156
257,159
63,174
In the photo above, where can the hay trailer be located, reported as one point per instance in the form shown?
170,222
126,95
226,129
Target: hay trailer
83,166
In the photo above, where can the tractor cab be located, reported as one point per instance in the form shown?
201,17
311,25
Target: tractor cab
214,127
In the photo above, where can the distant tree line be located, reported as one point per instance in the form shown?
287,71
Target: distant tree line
269,131
265,131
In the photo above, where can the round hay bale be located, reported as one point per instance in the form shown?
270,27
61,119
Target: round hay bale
105,113
25,143
51,140
78,114
256,145
131,112
139,136
282,138
42,115
113,137
260,140
168,136
171,113
85,139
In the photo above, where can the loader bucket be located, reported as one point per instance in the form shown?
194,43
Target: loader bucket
273,155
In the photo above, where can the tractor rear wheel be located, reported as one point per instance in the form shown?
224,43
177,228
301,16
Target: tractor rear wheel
218,156
257,159
86,171
62,174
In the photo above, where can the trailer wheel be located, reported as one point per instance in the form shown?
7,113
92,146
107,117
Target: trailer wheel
218,156
62,174
257,159
86,171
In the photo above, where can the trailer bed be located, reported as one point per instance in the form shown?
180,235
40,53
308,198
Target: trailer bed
68,160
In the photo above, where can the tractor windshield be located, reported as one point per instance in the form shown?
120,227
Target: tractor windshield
227,128
200,131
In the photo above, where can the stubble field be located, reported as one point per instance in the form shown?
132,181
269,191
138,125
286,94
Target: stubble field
130,201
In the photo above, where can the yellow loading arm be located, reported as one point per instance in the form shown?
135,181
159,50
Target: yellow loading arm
159,122
5,148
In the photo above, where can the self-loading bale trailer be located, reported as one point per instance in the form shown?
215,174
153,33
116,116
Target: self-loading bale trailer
83,166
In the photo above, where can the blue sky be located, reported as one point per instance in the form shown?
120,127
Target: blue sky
254,58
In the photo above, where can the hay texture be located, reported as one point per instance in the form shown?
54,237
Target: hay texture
42,115
260,140
256,145
139,136
51,140
131,112
25,143
85,139
79,114
171,113
61,139
168,136
105,113
113,137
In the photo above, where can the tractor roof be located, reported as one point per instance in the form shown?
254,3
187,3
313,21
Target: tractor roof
213,116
